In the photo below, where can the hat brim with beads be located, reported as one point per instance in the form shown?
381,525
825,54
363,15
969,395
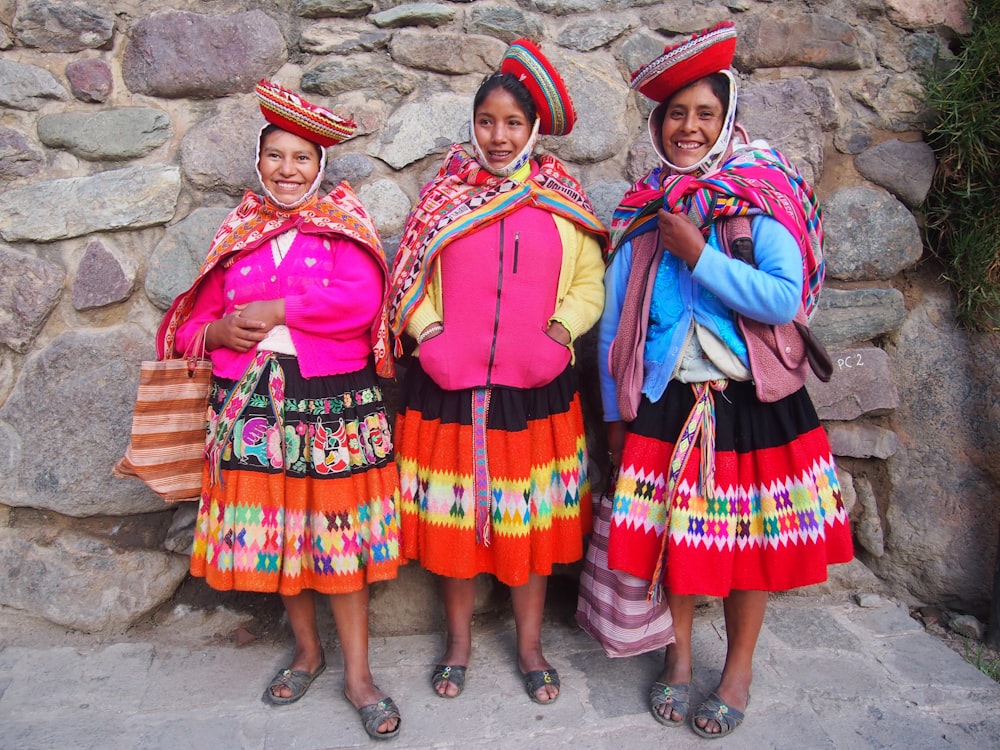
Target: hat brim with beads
525,61
707,52
291,112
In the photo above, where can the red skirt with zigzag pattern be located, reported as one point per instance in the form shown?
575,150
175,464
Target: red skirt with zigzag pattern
775,518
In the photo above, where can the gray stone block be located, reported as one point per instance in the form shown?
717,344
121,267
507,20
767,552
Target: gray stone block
132,197
83,583
80,389
30,288
165,55
108,135
861,384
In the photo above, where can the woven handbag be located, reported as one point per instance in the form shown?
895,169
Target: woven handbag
612,606
167,447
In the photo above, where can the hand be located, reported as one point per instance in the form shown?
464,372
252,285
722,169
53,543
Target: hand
558,333
616,442
270,312
680,237
234,332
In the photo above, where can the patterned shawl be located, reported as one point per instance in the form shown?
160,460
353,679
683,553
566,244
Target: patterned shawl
756,179
464,197
256,220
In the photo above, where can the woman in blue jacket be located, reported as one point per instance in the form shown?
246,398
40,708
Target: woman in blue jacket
718,493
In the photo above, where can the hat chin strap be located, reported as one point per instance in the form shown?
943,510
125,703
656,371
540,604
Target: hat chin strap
313,189
516,163
710,161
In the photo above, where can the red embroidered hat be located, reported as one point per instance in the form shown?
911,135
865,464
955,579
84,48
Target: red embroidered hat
525,61
291,112
707,52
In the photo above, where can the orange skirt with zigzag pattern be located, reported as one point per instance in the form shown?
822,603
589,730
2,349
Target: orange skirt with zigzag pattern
526,458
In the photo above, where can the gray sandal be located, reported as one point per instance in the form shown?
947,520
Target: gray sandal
296,680
675,697
375,715
452,673
536,679
713,709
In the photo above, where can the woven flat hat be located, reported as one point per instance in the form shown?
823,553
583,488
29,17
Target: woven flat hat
525,61
707,52
291,112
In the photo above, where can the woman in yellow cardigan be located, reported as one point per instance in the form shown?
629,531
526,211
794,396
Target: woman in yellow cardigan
499,270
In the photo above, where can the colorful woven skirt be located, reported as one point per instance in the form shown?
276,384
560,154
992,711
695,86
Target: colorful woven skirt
516,459
766,514
307,488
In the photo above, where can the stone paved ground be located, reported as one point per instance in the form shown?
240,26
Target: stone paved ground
829,674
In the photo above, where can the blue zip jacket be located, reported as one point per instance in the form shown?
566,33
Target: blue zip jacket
710,294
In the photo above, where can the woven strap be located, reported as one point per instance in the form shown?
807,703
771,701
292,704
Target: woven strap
481,465
700,422
236,402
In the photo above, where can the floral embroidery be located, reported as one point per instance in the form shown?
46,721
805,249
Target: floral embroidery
255,425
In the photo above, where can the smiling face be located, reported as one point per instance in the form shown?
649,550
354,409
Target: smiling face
288,165
692,122
502,128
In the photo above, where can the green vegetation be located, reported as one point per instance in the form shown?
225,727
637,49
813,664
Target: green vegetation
962,211
986,662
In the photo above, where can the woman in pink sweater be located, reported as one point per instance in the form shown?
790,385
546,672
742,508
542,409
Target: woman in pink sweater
499,271
299,488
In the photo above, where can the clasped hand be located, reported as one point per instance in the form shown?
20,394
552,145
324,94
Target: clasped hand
246,326
680,237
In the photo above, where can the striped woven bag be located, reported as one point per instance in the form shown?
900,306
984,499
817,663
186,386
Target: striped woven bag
612,606
167,447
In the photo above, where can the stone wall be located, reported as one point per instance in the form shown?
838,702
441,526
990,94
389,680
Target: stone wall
126,134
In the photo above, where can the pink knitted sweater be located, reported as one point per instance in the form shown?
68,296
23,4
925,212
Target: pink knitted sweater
332,291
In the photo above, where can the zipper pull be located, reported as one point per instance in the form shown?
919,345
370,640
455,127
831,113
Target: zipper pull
517,238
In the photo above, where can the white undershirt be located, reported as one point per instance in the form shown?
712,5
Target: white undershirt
279,338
